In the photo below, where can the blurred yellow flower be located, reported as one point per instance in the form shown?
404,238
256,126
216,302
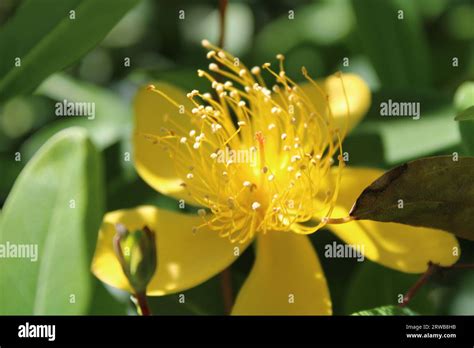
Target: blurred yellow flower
259,159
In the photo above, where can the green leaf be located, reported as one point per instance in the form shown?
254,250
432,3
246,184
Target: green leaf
105,302
466,115
314,24
463,99
8,173
205,299
112,120
436,192
464,96
458,298
373,285
46,39
397,47
401,135
56,206
359,143
386,310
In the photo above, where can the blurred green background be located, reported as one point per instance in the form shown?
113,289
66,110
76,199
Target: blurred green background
427,57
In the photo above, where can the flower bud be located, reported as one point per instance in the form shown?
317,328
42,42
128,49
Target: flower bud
136,252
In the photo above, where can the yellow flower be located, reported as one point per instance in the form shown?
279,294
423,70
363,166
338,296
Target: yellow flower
259,159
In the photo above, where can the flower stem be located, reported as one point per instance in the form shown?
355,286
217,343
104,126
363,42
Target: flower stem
337,221
432,269
222,12
419,283
142,304
226,289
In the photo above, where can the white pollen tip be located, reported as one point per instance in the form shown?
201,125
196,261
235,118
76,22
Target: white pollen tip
255,70
215,127
276,110
183,140
247,183
295,158
242,72
189,176
201,212
241,103
200,73
221,54
280,56
213,67
210,54
205,43
256,205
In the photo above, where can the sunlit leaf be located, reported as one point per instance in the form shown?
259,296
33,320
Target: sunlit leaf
55,208
386,310
464,99
400,136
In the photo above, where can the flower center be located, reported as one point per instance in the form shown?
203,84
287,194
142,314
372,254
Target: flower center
256,157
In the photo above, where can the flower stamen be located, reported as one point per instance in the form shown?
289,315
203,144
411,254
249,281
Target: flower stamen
294,141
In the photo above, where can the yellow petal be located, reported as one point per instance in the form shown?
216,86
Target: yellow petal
286,279
152,113
356,90
401,247
185,259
